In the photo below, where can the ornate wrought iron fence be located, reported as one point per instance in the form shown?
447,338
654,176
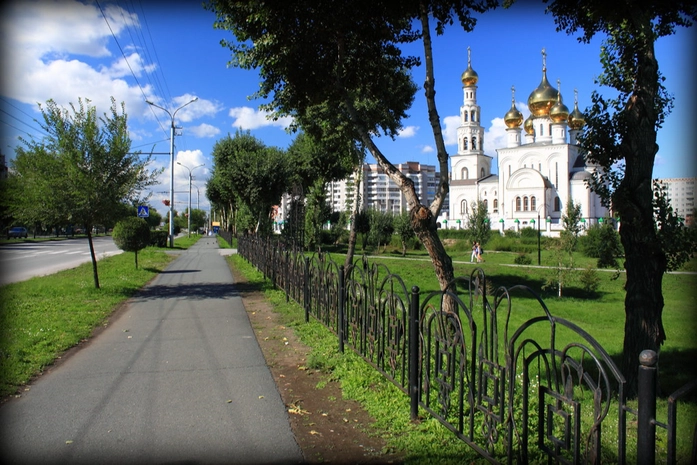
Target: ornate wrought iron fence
544,390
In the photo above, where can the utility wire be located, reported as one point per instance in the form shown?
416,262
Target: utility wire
129,65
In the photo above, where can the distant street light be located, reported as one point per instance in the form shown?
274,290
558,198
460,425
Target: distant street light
190,170
171,166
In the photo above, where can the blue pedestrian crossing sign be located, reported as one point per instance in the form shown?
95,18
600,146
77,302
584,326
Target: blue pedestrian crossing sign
143,212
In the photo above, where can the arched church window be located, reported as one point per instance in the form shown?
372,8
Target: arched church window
467,116
474,143
533,203
557,204
463,208
474,115
482,173
486,204
465,143
542,131
517,204
525,204
496,205
465,173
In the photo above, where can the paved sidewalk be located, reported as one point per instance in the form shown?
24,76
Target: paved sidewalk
177,378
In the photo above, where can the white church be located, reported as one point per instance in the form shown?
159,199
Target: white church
540,168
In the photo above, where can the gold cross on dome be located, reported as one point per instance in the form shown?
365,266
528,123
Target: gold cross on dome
469,58
544,59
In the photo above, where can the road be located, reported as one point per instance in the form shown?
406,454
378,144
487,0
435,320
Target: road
20,261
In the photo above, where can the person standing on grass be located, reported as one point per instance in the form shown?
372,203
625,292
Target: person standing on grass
475,246
479,253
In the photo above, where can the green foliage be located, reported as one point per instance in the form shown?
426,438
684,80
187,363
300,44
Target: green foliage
571,221
316,214
362,225
479,228
158,238
381,228
154,219
522,259
131,235
82,173
602,242
529,233
590,280
404,230
678,242
248,173
619,137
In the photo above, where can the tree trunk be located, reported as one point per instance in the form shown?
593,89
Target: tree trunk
94,258
645,262
423,219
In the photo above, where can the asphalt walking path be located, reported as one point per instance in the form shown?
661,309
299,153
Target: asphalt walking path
178,377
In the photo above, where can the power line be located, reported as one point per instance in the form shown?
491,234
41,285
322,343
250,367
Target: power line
126,59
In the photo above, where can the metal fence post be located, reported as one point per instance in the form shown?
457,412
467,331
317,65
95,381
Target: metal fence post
646,421
340,316
414,353
306,290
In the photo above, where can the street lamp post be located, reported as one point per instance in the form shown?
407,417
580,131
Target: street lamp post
538,238
190,170
171,165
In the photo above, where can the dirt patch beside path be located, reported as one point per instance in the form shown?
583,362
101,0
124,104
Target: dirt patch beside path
328,428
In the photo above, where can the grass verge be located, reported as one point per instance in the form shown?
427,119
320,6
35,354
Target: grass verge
43,317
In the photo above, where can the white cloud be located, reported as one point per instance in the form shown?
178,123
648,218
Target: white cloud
409,131
41,44
450,123
427,149
249,118
204,130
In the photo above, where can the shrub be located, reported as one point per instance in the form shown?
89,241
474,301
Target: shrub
158,238
590,280
131,235
528,233
522,259
603,243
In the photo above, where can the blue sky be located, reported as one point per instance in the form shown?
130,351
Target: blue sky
169,53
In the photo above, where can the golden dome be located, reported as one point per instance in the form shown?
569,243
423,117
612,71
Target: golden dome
513,118
470,76
528,126
545,96
576,118
559,113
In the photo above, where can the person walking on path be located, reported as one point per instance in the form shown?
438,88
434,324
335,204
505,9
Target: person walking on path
177,377
474,252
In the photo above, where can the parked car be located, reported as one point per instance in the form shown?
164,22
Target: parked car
17,232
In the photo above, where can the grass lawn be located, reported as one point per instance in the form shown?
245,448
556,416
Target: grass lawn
601,314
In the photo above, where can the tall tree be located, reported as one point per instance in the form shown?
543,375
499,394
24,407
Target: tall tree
621,132
346,57
247,171
83,169
479,227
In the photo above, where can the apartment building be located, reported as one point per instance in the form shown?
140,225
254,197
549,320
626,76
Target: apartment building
681,192
379,192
